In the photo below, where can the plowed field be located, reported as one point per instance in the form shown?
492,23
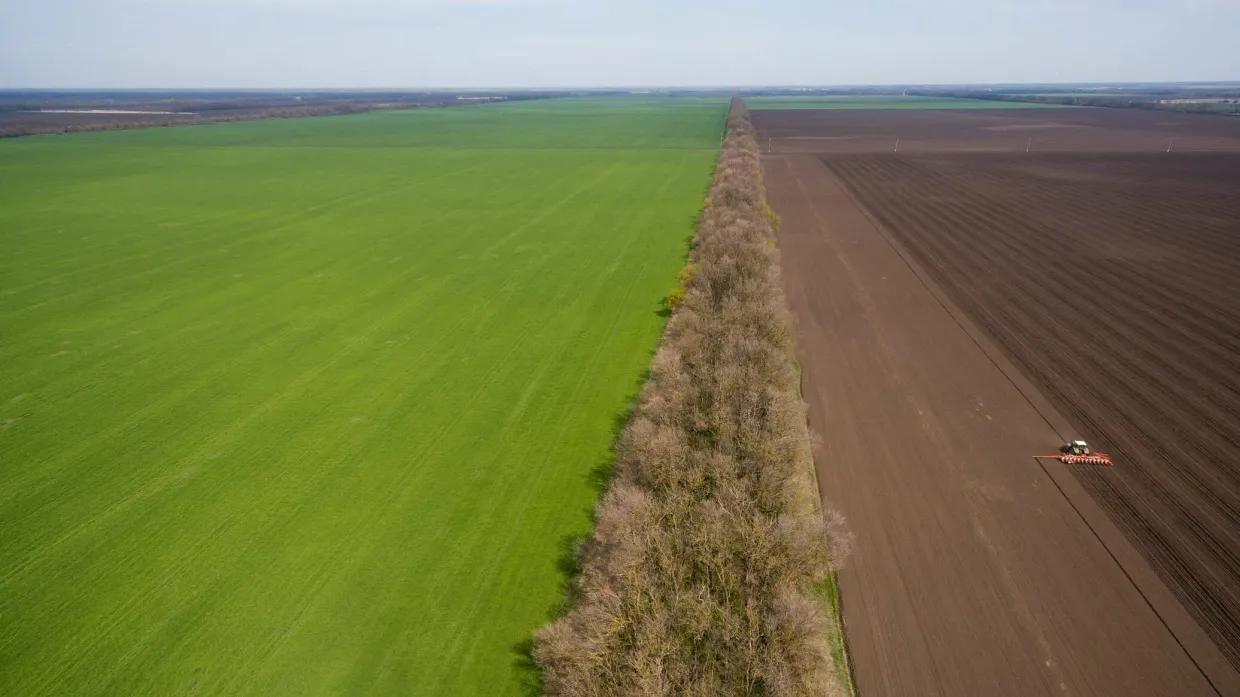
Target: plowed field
1113,282
993,130
972,286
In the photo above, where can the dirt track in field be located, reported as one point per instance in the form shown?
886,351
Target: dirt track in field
943,344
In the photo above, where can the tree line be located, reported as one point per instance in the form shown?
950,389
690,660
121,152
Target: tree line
698,577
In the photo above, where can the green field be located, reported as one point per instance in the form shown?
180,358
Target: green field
311,406
885,101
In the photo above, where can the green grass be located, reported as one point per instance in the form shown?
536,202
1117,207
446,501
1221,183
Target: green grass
884,101
828,591
310,406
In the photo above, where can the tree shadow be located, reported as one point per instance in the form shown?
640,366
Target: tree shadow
601,474
529,676
572,546
697,218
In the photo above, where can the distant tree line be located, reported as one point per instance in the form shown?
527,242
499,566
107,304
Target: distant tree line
698,577
1227,102
18,123
22,113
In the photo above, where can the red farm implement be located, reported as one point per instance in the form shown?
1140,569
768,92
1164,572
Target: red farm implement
1078,452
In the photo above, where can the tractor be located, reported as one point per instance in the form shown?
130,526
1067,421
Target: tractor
1078,452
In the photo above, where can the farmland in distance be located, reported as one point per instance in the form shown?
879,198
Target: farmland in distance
314,406
885,101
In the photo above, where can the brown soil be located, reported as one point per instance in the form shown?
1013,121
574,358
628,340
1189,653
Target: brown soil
1114,284
996,130
959,313
16,123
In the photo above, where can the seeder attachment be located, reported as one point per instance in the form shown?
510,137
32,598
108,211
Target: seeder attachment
1070,459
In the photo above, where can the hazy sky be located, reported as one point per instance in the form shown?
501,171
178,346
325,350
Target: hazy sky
476,43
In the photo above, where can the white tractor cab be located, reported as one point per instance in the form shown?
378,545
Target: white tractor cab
1075,447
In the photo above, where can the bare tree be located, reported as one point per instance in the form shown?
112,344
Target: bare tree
697,580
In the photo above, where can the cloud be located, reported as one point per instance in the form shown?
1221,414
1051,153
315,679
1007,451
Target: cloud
364,43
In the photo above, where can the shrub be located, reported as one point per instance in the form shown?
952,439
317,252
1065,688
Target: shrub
677,295
672,300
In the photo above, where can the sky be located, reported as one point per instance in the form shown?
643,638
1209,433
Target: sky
582,43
